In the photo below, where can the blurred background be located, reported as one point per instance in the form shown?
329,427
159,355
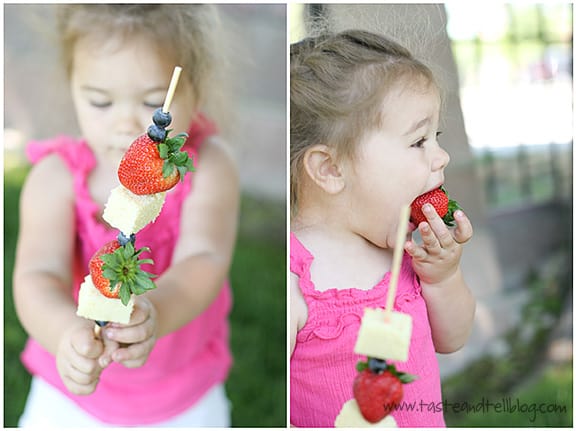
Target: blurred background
37,106
506,70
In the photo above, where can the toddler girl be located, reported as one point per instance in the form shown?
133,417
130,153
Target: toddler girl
168,365
364,120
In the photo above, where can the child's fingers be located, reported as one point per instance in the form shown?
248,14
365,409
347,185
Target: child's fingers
82,377
80,374
110,346
464,230
84,344
441,233
142,325
83,365
141,313
429,240
134,355
130,334
415,251
80,388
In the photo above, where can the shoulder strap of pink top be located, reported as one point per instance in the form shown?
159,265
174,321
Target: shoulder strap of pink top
75,153
300,261
66,147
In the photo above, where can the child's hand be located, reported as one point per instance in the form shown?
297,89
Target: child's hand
438,258
77,359
137,338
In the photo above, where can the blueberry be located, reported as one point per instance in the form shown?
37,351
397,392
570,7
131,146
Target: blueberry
161,118
377,365
123,239
157,133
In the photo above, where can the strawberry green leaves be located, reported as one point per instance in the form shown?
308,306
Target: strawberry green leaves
391,368
122,268
169,151
453,206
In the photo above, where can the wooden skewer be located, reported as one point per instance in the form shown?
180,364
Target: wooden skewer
171,89
165,108
397,257
98,331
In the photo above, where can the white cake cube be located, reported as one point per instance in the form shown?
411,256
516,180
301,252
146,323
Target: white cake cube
95,306
384,335
129,212
351,417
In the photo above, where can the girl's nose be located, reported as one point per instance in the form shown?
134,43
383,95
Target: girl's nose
441,159
128,121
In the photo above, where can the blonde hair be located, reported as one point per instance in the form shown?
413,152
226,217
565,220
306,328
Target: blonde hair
190,34
337,84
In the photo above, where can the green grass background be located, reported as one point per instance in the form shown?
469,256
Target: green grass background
257,382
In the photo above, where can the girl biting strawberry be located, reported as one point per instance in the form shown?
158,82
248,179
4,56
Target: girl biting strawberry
364,117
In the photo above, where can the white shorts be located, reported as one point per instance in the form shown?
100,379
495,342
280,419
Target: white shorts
47,407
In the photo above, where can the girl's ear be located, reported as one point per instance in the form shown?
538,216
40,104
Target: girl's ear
321,166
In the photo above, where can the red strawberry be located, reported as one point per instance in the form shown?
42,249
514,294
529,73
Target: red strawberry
116,272
379,391
149,167
95,265
438,198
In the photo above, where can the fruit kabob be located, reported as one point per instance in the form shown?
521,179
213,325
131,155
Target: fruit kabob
385,335
152,165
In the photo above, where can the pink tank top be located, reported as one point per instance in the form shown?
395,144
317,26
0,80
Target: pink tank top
323,364
184,364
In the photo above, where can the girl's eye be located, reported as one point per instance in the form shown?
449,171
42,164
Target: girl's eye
100,105
153,105
420,143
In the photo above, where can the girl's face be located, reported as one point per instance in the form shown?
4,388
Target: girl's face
116,86
397,162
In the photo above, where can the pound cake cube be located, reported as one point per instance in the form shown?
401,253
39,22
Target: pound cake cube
351,417
384,335
95,306
129,212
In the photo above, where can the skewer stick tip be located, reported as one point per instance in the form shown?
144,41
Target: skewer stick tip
171,89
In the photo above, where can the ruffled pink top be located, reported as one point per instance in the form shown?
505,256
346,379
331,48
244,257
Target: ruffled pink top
323,364
184,364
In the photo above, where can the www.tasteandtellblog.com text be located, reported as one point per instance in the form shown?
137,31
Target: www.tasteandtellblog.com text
505,405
